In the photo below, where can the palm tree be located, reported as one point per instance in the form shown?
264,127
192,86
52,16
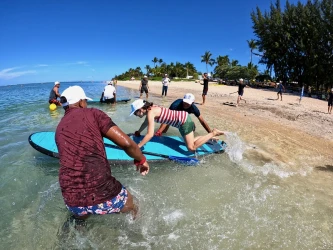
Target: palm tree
155,60
160,61
252,45
206,58
148,69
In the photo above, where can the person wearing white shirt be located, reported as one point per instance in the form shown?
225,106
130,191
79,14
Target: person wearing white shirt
109,94
165,83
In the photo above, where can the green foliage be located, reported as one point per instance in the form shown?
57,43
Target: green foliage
297,41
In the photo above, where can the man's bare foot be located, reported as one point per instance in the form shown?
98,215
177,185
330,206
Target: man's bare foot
217,132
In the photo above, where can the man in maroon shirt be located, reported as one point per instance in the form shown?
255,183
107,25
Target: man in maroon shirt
85,176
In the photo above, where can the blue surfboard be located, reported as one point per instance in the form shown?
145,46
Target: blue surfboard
44,142
118,100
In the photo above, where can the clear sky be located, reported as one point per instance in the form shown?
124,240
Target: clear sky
64,40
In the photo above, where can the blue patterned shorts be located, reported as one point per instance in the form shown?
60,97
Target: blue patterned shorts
109,207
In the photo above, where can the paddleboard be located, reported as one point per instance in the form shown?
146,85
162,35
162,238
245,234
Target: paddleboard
44,142
125,100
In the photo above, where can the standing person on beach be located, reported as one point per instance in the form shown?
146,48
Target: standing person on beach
54,94
330,101
185,104
280,87
85,178
165,84
205,87
179,119
144,87
109,94
241,86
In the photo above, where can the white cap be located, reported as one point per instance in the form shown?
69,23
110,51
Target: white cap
137,104
144,76
56,83
241,79
74,94
165,74
188,98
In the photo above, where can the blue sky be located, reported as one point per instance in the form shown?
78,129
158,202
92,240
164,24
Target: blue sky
57,40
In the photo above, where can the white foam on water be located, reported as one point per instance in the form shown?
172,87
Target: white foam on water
173,217
235,147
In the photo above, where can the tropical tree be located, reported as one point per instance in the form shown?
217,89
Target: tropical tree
207,58
252,45
148,69
155,60
160,61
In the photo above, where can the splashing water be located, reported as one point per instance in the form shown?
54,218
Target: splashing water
235,147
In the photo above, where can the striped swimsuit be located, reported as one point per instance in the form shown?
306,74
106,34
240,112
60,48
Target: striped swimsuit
173,118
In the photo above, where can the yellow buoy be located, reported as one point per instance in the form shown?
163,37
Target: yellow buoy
53,107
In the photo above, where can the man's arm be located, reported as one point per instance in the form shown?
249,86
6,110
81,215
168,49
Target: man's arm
123,141
204,124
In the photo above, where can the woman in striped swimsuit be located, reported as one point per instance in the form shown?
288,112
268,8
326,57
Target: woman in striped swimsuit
178,119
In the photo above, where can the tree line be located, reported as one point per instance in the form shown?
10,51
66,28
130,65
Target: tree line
297,42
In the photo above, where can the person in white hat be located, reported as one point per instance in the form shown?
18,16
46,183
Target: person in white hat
165,83
241,86
178,119
54,94
109,94
185,104
144,87
85,178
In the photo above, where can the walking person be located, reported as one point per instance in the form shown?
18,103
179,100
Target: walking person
205,87
165,83
144,87
280,88
85,178
241,86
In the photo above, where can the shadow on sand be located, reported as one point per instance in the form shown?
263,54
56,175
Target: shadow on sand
327,168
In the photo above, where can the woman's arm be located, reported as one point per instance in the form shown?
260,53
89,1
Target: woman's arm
150,132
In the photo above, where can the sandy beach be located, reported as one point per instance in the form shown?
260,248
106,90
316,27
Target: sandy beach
279,131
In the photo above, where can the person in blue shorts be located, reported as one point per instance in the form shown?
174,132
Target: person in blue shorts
280,88
185,104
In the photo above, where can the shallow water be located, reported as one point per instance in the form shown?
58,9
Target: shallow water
242,199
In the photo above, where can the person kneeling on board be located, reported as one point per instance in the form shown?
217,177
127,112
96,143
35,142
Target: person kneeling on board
85,178
185,104
109,94
178,119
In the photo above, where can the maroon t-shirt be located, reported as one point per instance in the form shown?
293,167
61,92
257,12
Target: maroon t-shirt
85,174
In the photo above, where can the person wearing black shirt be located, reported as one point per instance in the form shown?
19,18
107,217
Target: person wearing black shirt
205,87
241,86
185,104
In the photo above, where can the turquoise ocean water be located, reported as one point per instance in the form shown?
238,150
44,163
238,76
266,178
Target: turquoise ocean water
227,202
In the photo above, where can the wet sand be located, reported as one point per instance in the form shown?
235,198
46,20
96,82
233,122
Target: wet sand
283,132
